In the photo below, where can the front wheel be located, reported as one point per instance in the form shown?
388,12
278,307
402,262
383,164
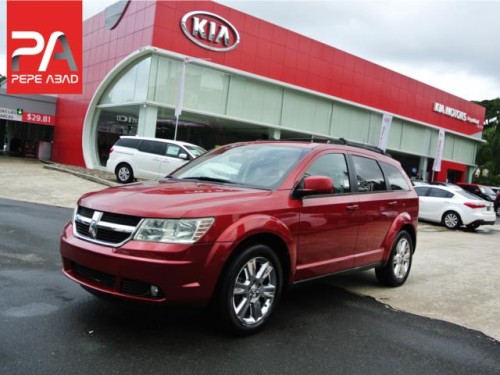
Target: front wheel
397,269
249,290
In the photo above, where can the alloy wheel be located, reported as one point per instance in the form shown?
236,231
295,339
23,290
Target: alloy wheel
254,291
402,258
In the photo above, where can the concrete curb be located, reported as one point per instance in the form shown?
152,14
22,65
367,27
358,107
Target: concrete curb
81,175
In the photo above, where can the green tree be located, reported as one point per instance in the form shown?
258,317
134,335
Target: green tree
488,156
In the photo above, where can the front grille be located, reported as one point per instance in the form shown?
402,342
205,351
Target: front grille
104,227
121,219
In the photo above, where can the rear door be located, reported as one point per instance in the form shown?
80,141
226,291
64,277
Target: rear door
436,203
379,205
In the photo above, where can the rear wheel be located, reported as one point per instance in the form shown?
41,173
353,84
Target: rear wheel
249,290
451,220
397,269
124,173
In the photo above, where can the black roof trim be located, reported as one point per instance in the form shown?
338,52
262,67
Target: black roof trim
339,141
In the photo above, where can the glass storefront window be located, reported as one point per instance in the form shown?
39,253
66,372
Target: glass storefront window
112,123
130,86
205,89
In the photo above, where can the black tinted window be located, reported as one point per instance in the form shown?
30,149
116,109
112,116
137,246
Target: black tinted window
394,177
368,174
439,193
335,167
422,190
153,147
128,142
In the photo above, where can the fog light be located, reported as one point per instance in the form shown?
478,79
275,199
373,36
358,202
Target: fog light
154,290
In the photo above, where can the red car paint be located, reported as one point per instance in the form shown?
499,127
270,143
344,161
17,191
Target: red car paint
315,235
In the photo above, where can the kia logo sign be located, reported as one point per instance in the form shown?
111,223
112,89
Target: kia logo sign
210,31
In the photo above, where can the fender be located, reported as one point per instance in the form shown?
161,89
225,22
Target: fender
245,228
401,220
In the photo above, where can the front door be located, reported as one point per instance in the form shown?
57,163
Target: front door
328,223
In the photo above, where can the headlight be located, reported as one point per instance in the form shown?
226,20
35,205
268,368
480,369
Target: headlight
175,231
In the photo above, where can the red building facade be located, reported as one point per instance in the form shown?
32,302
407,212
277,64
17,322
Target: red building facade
270,52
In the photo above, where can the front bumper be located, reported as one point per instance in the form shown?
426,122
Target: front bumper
182,273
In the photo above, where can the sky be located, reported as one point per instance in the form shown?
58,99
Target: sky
449,44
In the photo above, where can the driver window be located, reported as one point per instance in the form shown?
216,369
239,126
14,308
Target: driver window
335,167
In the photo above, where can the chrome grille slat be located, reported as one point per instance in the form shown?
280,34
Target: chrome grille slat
103,227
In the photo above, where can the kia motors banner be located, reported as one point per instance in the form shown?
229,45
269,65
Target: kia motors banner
439,152
384,131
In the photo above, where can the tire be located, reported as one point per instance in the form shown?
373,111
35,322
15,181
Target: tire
451,220
249,290
397,269
124,173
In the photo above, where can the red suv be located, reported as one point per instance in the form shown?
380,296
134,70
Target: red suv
238,225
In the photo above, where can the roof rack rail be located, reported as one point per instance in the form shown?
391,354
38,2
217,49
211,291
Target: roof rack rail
339,141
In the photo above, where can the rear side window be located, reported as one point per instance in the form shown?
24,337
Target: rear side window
153,147
128,142
422,190
394,177
368,174
439,193
335,167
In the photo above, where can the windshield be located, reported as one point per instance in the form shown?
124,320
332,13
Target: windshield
256,165
486,190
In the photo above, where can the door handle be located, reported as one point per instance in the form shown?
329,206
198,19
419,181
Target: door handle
393,203
353,207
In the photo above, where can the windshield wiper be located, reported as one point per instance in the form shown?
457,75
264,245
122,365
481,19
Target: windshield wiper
206,178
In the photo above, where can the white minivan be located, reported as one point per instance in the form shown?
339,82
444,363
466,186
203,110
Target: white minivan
134,157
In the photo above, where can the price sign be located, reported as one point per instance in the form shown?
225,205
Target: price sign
39,118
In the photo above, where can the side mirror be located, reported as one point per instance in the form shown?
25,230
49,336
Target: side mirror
184,156
316,185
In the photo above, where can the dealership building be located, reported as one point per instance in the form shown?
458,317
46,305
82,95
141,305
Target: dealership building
210,75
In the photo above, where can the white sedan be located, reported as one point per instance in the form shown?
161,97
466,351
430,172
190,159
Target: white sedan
453,207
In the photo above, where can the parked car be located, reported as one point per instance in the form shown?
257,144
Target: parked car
454,207
134,157
482,191
496,189
441,183
279,213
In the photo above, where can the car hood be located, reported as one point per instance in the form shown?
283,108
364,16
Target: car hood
171,198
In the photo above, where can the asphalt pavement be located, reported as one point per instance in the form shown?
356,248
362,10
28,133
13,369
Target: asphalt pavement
454,276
